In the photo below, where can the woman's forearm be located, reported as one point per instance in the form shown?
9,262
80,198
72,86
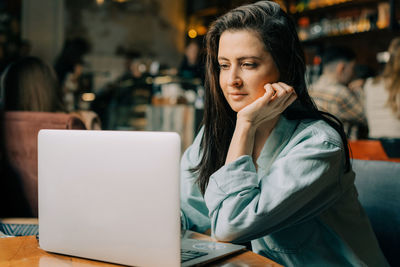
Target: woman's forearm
242,141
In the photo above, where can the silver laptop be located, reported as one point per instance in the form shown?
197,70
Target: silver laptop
114,196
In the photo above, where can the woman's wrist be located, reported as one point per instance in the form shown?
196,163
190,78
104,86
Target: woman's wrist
244,125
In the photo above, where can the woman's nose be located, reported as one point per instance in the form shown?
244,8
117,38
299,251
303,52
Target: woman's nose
234,79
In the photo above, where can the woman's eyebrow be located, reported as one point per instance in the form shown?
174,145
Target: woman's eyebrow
249,57
242,58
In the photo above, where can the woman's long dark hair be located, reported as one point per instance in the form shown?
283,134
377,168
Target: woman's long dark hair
280,38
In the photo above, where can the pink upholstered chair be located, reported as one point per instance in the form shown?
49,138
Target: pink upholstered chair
21,130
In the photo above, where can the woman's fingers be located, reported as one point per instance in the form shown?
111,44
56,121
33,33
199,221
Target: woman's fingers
270,92
283,92
283,97
288,88
277,97
280,91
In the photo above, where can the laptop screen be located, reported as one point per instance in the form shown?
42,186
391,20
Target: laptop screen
110,195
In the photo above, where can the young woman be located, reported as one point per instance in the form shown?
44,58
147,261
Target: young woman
382,97
29,84
267,166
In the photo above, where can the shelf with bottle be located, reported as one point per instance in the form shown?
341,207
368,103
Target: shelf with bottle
352,20
312,7
372,34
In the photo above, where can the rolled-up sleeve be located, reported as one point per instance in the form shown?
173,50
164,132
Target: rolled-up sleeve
245,204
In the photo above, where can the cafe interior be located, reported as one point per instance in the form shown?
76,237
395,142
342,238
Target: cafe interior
139,66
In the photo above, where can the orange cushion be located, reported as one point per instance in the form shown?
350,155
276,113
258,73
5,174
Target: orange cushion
367,150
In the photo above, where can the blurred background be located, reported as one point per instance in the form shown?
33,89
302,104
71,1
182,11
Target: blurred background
139,64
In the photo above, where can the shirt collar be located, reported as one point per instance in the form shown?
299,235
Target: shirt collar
276,142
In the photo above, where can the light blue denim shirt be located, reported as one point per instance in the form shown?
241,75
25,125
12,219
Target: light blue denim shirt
298,208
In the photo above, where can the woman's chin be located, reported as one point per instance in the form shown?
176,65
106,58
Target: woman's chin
238,106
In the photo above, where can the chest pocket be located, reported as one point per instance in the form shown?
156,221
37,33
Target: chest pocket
292,239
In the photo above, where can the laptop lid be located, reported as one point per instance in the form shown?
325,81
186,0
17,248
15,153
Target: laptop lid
110,195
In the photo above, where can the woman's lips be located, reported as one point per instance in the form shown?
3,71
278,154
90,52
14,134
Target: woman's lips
237,96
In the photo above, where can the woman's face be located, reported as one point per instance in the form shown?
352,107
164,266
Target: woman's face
245,67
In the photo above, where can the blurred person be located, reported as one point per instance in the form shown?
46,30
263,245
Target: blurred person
71,55
132,81
268,166
382,102
382,97
332,94
191,66
134,68
69,69
29,84
70,87
116,101
361,74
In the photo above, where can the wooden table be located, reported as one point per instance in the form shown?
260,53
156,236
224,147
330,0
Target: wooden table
25,252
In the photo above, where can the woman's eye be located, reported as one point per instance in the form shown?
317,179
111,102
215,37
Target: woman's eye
223,66
249,65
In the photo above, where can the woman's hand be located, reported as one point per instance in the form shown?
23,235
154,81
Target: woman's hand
277,97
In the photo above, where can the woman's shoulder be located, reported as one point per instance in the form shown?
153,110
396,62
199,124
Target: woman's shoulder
318,132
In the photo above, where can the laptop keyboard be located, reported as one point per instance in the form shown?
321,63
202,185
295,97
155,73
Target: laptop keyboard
187,255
